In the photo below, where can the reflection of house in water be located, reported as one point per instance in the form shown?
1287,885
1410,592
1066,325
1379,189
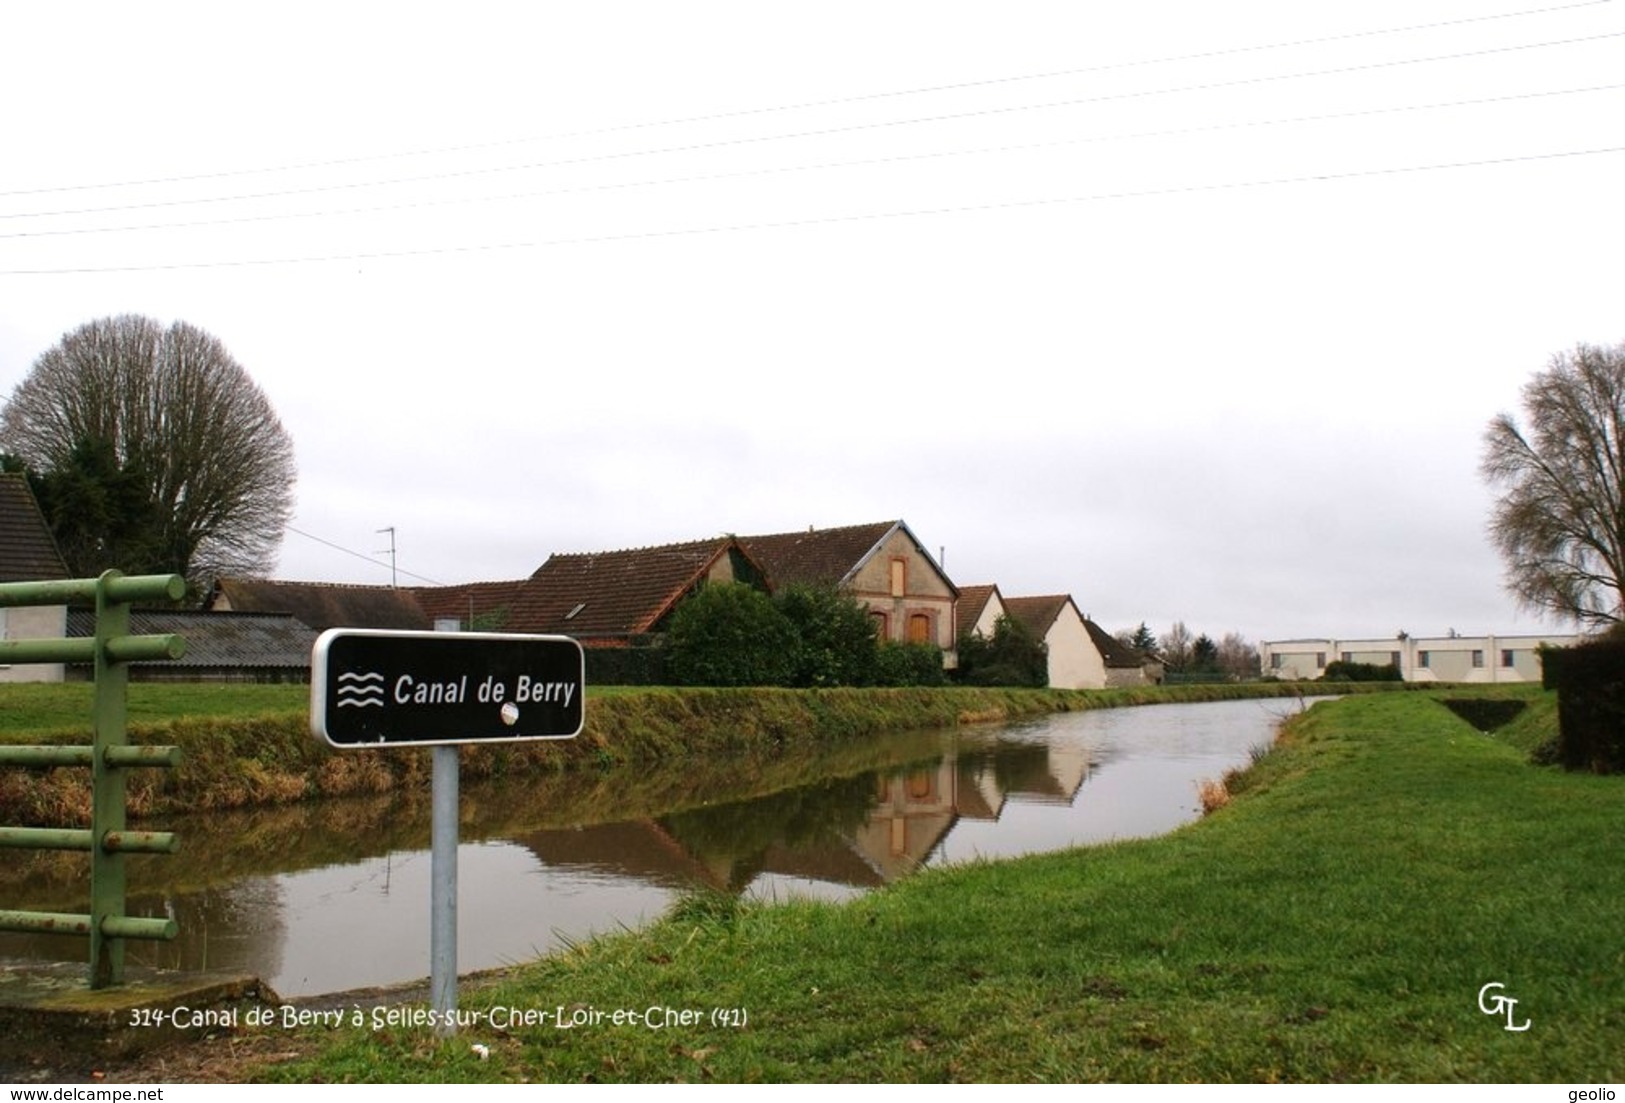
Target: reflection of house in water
834,862
640,849
857,831
1055,779
913,813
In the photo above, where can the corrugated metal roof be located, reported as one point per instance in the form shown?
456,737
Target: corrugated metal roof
233,640
323,605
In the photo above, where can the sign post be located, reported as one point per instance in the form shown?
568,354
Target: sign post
372,689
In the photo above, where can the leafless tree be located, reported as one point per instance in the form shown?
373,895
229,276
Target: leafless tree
180,416
1238,658
1560,520
1175,646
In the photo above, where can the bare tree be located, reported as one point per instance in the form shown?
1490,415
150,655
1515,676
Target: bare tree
1238,658
179,420
1175,646
1560,520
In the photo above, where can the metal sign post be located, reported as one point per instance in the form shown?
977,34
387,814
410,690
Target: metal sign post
443,889
444,689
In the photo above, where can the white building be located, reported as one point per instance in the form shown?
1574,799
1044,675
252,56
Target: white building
1074,661
1451,658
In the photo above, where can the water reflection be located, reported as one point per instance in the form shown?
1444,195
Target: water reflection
335,895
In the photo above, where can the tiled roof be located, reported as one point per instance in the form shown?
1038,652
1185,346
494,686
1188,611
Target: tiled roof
820,557
478,606
236,640
1037,614
28,552
323,605
1118,655
614,593
972,600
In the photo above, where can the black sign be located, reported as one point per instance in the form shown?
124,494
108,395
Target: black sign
375,688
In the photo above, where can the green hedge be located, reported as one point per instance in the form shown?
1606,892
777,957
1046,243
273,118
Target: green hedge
1590,684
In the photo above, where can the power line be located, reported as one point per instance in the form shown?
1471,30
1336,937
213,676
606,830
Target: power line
285,216
1205,55
363,556
824,132
829,220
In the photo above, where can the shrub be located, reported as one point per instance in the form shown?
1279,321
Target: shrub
1590,684
1013,657
909,664
835,636
729,634
642,664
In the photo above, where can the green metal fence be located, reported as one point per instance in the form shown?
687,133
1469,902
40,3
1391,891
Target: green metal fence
109,756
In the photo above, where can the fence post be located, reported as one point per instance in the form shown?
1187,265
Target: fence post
107,883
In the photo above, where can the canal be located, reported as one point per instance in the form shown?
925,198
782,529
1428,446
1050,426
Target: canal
334,895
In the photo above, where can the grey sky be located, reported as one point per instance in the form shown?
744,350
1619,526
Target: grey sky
1210,338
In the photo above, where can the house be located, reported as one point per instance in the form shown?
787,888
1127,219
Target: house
603,599
321,605
28,553
978,610
473,606
1074,660
1124,665
1448,658
883,565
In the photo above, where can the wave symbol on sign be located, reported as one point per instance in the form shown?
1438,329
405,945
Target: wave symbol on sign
361,690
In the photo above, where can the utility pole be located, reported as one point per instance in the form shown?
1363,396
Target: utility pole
391,530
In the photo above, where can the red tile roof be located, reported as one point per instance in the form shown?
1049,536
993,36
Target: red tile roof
476,606
820,557
614,593
972,600
828,557
1038,614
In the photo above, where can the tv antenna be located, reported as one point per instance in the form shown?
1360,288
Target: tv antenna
391,530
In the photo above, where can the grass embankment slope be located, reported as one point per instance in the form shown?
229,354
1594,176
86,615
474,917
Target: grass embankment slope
1335,923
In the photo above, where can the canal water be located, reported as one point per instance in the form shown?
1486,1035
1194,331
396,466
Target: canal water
334,895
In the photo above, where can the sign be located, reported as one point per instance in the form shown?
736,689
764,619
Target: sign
412,689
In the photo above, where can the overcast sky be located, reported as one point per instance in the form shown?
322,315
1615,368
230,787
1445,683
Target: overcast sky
1196,312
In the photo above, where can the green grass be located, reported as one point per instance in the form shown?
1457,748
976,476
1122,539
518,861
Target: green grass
1334,923
37,707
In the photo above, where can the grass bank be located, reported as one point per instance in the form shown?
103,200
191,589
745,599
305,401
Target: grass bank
1335,923
251,745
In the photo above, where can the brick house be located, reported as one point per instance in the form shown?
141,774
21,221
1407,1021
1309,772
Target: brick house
883,565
